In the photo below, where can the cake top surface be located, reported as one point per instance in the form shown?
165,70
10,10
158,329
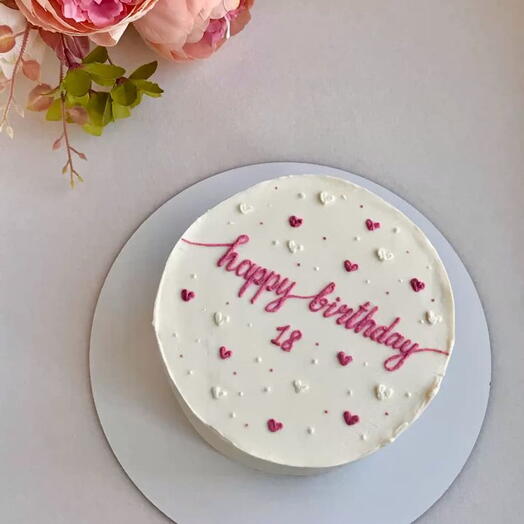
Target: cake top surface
305,320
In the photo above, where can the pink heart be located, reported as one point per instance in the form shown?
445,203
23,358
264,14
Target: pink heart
295,221
372,225
417,285
224,352
350,419
343,358
349,266
187,295
274,425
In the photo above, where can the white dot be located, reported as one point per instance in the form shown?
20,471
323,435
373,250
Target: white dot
267,389
250,324
240,393
198,340
194,275
301,195
421,321
428,267
204,309
301,247
366,364
258,359
350,392
367,281
275,242
344,197
232,414
230,223
363,436
400,280
396,229
314,361
190,372
311,430
316,268
174,335
356,239
407,394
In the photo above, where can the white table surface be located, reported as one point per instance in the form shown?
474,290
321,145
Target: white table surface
426,98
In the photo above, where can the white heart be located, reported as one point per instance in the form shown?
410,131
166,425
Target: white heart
384,254
300,386
326,198
383,393
245,208
217,392
433,318
220,318
294,247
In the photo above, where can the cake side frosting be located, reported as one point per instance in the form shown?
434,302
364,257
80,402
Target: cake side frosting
304,323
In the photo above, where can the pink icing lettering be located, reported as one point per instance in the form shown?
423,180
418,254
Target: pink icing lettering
359,320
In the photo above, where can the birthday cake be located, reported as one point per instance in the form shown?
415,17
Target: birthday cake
304,323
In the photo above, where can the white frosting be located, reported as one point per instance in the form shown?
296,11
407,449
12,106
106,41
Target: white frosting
332,413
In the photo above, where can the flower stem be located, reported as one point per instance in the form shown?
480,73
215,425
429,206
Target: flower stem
69,149
10,96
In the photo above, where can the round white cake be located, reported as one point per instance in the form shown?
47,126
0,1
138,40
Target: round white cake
304,324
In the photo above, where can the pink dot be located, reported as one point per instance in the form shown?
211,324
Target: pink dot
386,413
181,356
227,303
361,206
298,264
261,223
324,238
432,300
246,425
317,344
234,372
271,370
326,411
276,187
387,292
407,251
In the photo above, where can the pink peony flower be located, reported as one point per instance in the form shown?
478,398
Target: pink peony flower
104,21
183,30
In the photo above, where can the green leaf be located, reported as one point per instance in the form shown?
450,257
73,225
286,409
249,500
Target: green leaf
148,88
137,101
103,71
96,108
144,71
54,113
98,54
120,111
107,82
77,82
124,94
93,129
77,100
107,116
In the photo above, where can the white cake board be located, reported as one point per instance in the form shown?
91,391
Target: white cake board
193,484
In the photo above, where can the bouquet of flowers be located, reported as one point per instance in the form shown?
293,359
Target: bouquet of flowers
91,90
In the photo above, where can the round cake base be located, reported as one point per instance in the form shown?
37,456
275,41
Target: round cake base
192,483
